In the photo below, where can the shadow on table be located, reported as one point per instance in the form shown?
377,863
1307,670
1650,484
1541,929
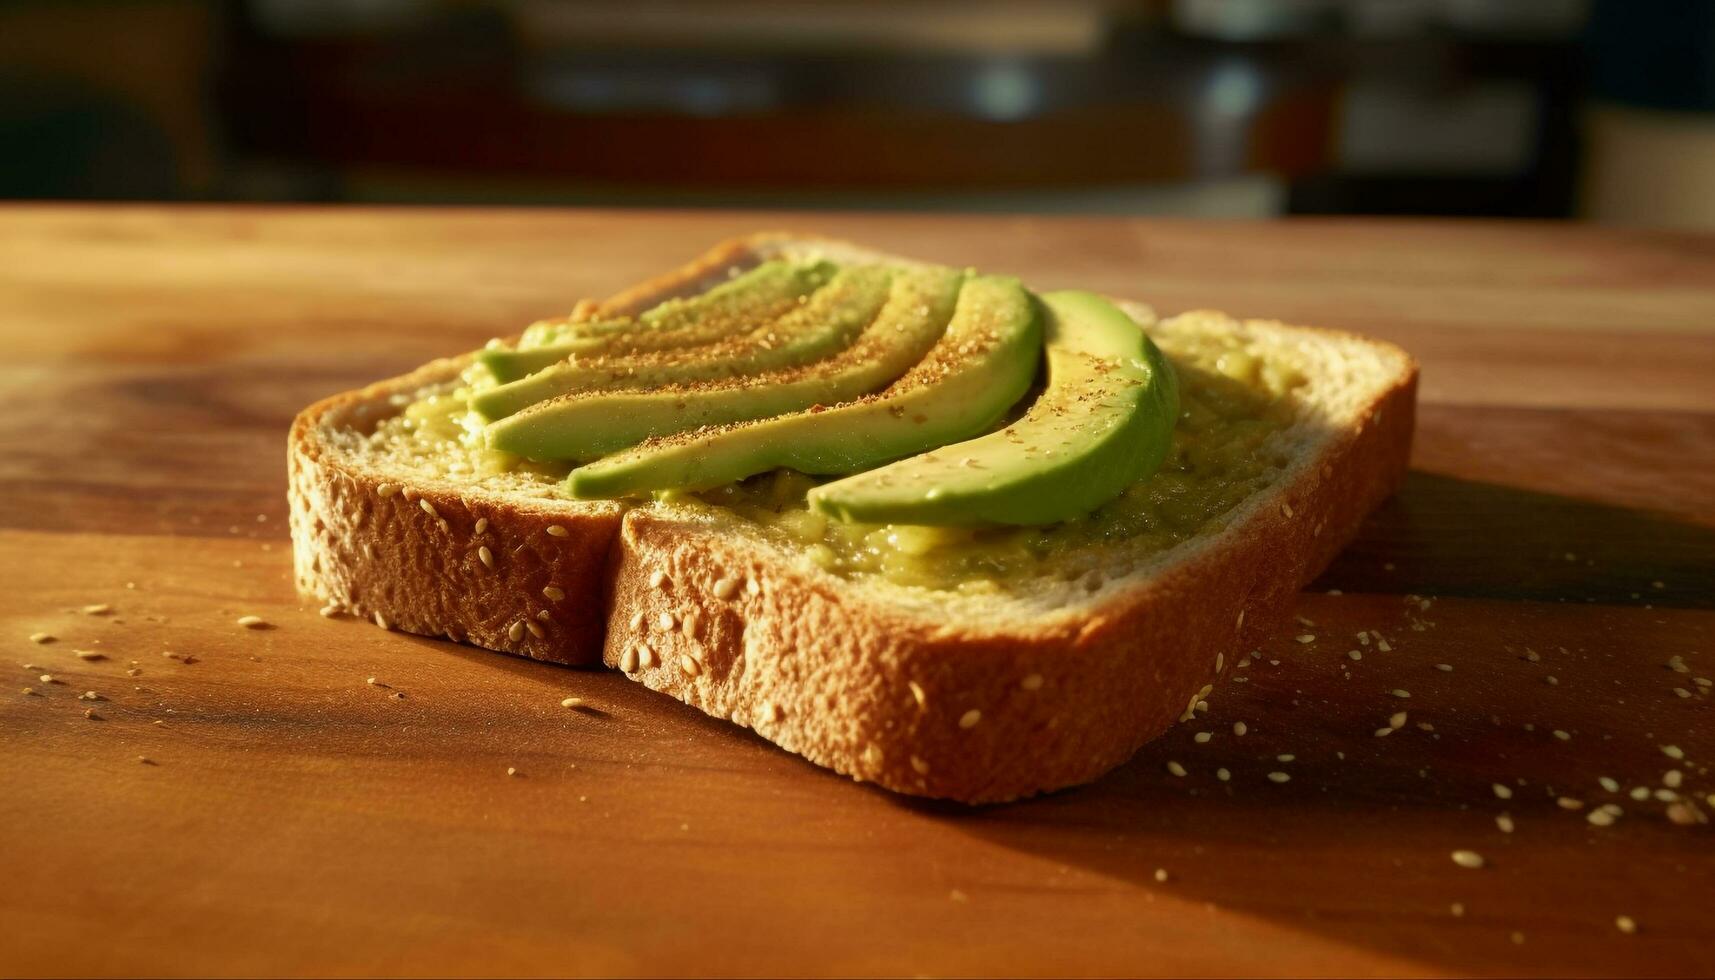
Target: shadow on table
1356,845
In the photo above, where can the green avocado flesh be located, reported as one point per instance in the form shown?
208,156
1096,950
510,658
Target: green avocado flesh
744,302
980,367
586,425
826,321
1103,422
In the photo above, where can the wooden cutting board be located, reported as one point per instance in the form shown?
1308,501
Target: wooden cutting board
1552,552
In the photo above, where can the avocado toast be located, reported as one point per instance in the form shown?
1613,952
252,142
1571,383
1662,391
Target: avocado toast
996,565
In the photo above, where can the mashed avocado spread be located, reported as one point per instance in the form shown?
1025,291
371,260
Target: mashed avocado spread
1231,401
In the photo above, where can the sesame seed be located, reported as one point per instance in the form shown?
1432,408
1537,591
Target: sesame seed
90,655
1564,736
42,638
374,682
145,760
557,531
1502,791
515,632
1682,692
90,696
690,665
1505,822
571,702
725,588
1161,874
1031,682
97,609
381,621
485,555
1399,692
330,610
1279,777
628,660
481,525
511,771
1673,752
1610,784
1306,638
1383,732
1220,661
1468,859
1382,645
553,593
47,679
1355,655
535,628
1286,509
428,508
252,622
1568,803
1202,738
666,622
1176,769
1397,719
387,489
1681,814
645,655
1444,668
657,578
1458,910
1222,774
917,694
970,718
91,715
1672,778
1639,793
30,691
1239,728
1601,818
636,621
1625,924
919,766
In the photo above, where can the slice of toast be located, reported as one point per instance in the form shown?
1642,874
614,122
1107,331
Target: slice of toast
979,697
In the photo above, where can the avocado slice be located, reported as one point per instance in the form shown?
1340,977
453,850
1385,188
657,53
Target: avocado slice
753,297
980,367
828,321
586,425
1104,421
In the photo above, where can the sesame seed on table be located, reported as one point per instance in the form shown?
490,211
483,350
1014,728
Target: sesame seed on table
252,804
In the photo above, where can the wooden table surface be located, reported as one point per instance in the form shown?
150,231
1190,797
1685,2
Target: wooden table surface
1553,547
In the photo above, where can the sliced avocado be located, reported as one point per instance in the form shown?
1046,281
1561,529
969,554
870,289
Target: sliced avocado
979,368
828,321
1103,422
743,302
586,425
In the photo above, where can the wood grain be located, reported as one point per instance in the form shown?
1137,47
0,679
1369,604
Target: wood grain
296,819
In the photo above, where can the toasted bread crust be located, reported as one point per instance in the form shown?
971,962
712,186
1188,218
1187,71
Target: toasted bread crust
728,624
831,678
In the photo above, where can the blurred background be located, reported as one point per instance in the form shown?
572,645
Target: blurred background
1601,109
